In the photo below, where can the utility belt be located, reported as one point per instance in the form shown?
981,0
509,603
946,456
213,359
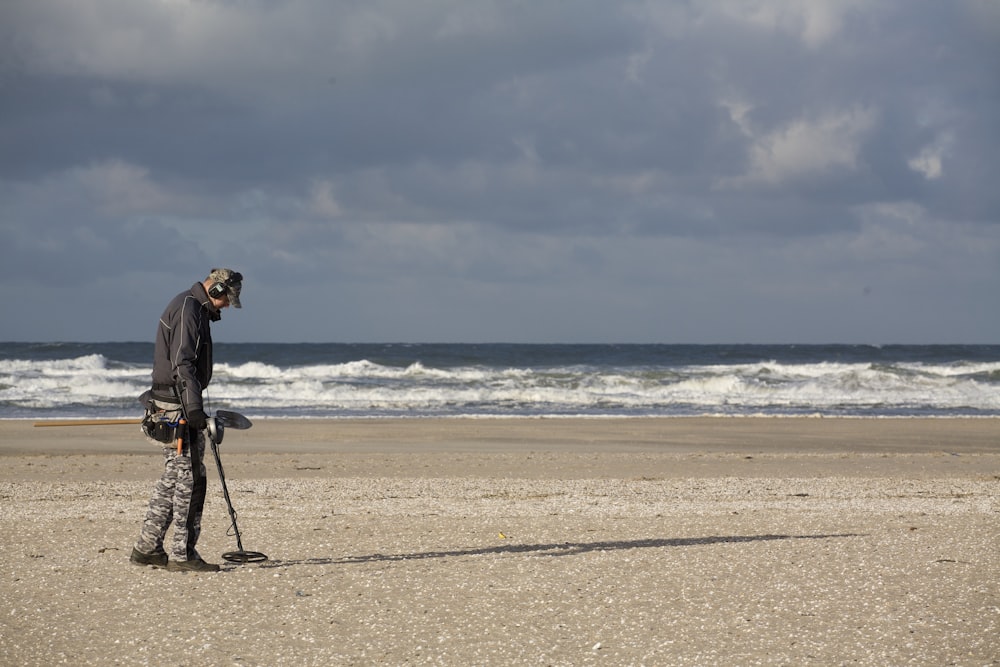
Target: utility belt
162,422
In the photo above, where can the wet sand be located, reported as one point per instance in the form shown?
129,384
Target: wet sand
521,541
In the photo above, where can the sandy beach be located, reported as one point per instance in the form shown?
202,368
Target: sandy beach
743,541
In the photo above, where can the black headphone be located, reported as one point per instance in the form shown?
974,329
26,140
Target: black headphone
220,289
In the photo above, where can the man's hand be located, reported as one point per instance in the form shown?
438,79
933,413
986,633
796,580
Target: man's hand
197,419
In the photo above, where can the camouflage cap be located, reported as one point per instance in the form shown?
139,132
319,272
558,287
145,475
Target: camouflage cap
231,281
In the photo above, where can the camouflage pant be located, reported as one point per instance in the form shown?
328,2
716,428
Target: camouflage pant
178,498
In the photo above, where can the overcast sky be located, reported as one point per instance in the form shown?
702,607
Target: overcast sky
478,171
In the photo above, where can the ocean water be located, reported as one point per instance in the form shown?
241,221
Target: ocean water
103,380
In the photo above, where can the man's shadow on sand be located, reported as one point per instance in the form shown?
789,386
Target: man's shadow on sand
553,549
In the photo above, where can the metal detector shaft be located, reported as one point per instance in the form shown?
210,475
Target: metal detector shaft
225,493
241,555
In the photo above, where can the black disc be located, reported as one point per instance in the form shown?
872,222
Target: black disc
244,557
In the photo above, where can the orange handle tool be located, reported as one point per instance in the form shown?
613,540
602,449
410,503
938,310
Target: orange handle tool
181,429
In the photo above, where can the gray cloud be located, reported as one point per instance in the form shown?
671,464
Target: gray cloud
677,172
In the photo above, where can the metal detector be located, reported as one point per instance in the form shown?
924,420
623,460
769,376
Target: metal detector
216,428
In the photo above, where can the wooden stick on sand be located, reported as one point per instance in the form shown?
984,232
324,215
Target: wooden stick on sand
88,422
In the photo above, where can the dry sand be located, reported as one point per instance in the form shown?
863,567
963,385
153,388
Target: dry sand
523,541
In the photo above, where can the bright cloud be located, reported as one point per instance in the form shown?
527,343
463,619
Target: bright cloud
807,147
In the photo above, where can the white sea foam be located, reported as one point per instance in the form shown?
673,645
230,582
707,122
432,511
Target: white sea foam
92,384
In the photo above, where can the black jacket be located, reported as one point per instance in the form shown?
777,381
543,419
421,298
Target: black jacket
182,355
